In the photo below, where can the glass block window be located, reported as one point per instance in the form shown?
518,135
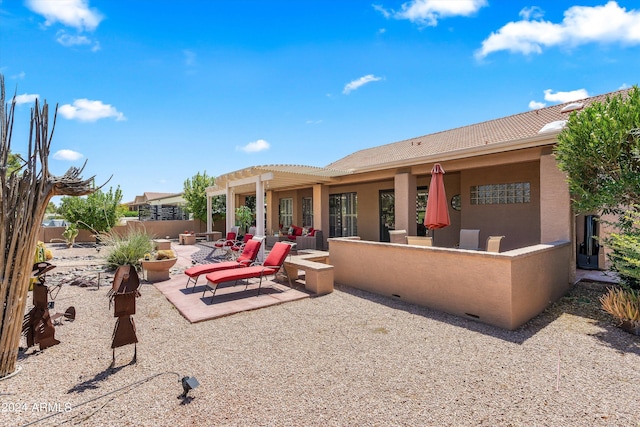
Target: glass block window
501,194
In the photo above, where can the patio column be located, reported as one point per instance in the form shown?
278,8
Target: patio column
556,217
209,209
320,215
557,221
272,211
405,188
230,209
260,230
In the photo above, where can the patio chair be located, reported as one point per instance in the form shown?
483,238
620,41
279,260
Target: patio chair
397,236
420,240
493,243
246,258
270,266
238,246
223,246
469,239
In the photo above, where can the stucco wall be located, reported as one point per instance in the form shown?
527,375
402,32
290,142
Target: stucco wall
518,222
502,289
159,229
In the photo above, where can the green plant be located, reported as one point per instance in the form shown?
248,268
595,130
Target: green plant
599,149
623,304
244,217
624,253
97,212
128,248
195,194
70,233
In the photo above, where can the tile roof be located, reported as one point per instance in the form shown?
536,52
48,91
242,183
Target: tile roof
480,135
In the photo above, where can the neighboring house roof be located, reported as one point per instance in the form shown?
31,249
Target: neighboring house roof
148,195
503,134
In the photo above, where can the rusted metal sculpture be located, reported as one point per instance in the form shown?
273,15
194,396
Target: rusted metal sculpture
38,322
25,192
123,296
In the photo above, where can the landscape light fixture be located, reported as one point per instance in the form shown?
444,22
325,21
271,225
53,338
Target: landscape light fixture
188,383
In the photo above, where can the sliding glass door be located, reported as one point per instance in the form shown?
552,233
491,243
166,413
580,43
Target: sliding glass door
343,215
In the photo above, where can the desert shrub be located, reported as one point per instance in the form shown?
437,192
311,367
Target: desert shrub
128,248
165,254
625,249
623,304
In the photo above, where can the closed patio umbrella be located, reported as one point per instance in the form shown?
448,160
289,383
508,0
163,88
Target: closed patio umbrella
437,215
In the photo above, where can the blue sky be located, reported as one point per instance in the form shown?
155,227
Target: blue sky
154,91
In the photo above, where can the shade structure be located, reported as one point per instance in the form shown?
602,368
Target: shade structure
437,215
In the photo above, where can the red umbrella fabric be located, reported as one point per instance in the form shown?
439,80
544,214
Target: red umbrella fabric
437,215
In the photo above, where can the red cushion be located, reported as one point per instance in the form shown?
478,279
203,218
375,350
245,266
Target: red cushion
297,231
209,268
250,251
240,273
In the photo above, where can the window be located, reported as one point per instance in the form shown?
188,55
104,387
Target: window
500,194
343,215
286,212
307,212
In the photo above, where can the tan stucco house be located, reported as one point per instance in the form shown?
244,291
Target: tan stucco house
501,178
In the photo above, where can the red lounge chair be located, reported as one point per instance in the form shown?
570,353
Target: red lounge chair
270,266
246,258
238,246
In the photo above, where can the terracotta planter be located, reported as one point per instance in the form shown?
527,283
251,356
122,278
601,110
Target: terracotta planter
157,270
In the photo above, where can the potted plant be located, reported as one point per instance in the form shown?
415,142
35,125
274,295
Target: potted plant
156,265
70,233
244,217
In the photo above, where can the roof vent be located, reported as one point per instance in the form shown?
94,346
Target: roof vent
558,125
572,107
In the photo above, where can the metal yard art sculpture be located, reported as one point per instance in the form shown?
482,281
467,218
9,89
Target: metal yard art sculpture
123,296
38,323
25,192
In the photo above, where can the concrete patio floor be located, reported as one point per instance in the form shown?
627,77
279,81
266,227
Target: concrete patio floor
229,299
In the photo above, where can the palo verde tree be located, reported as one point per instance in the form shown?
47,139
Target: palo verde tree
196,197
98,212
25,193
600,151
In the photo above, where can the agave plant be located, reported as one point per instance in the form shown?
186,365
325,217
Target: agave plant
128,248
624,305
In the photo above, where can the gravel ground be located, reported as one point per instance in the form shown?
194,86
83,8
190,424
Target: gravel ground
349,358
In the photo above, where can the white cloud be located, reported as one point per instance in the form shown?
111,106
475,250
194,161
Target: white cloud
26,98
255,146
86,110
69,155
382,10
313,122
581,25
428,12
20,76
189,57
71,13
535,105
355,84
533,12
562,97
68,40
